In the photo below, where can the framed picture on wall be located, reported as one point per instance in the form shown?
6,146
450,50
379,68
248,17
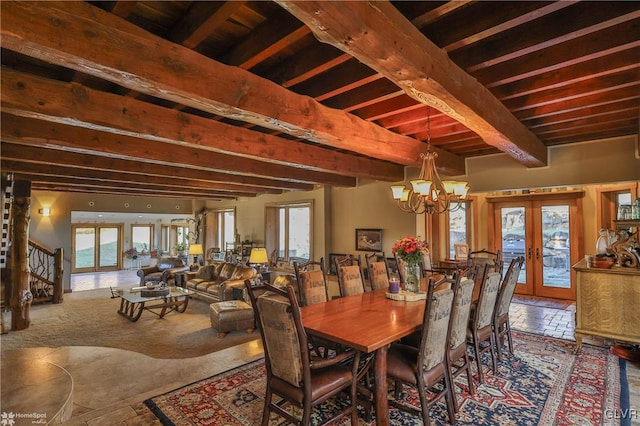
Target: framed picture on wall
369,239
332,264
461,251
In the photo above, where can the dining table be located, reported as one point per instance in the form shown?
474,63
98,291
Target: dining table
367,322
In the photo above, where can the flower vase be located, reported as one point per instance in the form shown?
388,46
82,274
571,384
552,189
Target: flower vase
412,278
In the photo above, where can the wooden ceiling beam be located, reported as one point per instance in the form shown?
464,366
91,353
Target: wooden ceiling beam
583,49
31,131
201,20
123,177
134,186
387,42
76,188
67,103
268,39
48,156
80,36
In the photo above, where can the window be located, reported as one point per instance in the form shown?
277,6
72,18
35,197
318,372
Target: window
165,238
142,237
610,198
458,227
182,235
294,231
225,235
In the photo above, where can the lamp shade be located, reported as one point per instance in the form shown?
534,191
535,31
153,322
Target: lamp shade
258,255
195,249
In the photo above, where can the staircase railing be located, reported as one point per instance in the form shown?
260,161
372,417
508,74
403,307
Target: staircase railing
45,277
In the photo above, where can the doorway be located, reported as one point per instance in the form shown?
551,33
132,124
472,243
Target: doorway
95,247
544,229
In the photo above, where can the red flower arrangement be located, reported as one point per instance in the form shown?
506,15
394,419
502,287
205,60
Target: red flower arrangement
410,249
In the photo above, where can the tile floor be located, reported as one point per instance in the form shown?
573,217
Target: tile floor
109,385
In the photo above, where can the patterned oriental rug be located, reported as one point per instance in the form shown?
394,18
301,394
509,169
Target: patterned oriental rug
543,383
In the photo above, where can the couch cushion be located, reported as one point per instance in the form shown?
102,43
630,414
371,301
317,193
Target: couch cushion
243,273
216,268
227,271
205,273
153,277
169,262
193,282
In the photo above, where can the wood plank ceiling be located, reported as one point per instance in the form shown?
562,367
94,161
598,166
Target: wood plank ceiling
215,100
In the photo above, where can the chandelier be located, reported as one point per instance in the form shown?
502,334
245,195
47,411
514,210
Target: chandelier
429,193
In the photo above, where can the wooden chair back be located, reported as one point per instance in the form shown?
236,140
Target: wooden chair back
435,330
508,286
350,279
379,274
485,257
312,283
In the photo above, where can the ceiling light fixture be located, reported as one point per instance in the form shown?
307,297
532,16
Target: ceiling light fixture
429,193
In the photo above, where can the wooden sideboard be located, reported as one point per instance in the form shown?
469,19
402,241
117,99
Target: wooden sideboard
607,303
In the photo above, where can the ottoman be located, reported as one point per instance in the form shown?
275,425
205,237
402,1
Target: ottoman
231,315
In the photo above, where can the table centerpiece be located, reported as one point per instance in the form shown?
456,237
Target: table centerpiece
411,251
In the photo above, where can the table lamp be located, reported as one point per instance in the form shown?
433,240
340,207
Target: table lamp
195,250
259,257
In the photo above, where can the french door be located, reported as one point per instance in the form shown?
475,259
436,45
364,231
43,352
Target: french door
96,247
545,230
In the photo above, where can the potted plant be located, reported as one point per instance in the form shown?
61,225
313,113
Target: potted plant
181,248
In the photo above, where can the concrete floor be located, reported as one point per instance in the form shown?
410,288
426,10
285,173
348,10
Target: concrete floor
109,385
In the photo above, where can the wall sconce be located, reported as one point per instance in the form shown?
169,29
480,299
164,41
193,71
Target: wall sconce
45,211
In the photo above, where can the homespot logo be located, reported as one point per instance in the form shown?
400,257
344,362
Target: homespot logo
627,413
9,419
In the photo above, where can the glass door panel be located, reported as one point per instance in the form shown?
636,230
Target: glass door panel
108,248
555,248
84,249
555,237
514,236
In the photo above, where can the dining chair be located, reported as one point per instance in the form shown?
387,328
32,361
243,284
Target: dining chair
457,355
486,257
294,375
425,367
350,279
378,270
312,282
481,323
312,288
501,325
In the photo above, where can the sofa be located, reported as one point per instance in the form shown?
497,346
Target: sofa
165,270
215,282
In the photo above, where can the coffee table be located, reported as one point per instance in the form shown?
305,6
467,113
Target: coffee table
132,303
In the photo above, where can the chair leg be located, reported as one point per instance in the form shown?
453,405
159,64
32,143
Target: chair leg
266,411
450,398
497,336
476,348
472,387
508,333
492,345
425,406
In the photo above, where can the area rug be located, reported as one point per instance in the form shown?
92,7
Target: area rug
90,318
543,383
544,303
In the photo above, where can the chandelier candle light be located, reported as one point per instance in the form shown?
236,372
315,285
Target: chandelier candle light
429,193
411,251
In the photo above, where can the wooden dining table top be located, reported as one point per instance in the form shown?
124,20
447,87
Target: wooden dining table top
365,322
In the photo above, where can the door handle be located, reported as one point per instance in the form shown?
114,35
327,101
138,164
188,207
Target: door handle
537,253
529,253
